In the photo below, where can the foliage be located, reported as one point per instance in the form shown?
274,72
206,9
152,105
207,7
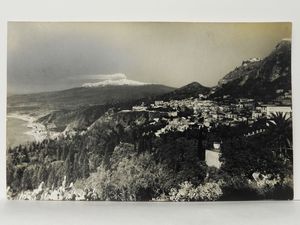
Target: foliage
246,155
121,158
209,191
131,176
280,130
62,192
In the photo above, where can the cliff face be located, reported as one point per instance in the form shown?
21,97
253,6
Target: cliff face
78,119
260,79
247,69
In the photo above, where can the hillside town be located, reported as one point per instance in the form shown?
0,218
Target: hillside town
228,112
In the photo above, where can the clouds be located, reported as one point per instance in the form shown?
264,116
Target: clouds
102,77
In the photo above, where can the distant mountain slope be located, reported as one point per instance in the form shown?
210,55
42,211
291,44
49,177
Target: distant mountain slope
78,119
260,79
190,90
84,96
118,82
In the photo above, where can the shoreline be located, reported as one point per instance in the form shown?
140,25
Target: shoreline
37,130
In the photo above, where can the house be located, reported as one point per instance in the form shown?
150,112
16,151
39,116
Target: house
158,103
172,114
139,108
212,156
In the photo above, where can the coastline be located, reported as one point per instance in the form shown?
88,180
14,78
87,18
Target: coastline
37,130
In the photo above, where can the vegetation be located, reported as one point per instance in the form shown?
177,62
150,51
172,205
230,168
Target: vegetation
120,158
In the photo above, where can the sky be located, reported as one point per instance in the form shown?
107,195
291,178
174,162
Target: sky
48,56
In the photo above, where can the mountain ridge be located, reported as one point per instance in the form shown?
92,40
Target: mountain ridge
192,89
79,96
260,79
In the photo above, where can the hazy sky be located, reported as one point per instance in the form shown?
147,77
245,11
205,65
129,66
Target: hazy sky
53,56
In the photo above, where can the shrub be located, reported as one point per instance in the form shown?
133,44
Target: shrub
210,191
131,176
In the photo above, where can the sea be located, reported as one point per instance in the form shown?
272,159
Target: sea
16,129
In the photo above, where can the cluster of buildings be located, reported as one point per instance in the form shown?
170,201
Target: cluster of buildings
227,112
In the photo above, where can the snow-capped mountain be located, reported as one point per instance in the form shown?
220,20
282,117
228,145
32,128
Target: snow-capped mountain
114,83
113,80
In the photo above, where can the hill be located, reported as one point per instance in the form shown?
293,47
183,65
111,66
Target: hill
260,79
78,119
78,108
190,90
86,96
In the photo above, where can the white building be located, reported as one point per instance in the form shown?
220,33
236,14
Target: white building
212,156
158,103
139,108
287,110
172,114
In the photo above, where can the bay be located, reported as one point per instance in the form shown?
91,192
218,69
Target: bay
16,132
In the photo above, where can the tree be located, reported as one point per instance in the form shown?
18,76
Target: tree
131,176
181,156
280,130
42,173
83,164
68,167
26,182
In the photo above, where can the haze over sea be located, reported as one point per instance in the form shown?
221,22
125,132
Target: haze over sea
17,129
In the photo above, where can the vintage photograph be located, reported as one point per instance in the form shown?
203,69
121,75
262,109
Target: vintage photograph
149,111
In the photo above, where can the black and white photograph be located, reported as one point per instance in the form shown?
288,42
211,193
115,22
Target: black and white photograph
149,111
